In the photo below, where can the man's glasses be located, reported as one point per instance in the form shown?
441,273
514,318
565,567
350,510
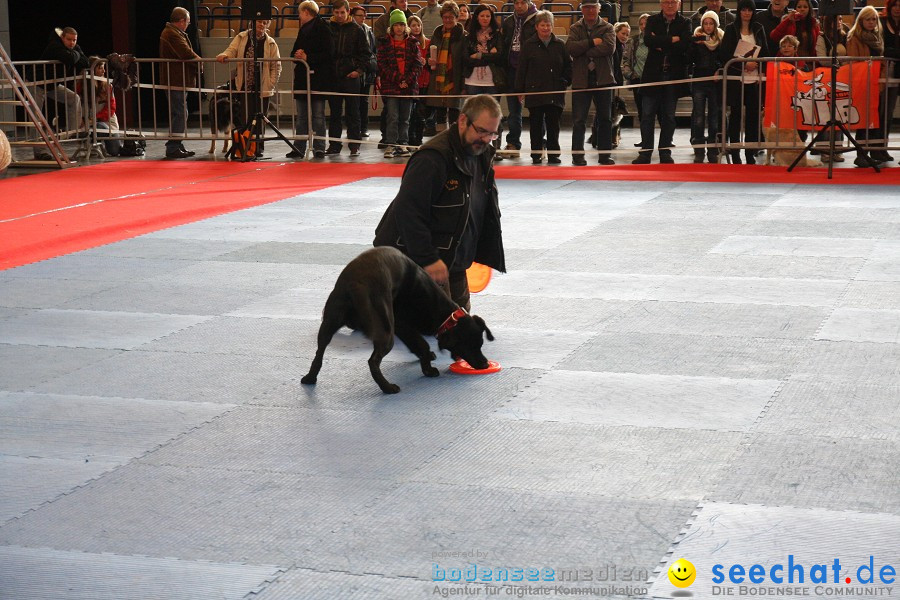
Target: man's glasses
484,133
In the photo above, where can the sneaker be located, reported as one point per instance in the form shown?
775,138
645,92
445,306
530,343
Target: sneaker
402,151
390,152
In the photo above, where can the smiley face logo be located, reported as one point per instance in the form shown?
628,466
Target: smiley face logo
682,573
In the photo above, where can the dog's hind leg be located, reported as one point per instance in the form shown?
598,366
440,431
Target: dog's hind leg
326,331
418,346
383,345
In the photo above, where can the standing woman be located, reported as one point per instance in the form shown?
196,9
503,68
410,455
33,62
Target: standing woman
245,75
744,93
417,114
447,62
359,16
399,65
864,39
485,63
544,66
801,24
890,20
633,63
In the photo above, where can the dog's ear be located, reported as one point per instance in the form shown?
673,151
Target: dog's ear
484,327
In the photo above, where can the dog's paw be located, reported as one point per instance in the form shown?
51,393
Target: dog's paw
309,380
430,371
391,388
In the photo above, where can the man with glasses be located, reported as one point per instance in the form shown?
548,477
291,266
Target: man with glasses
668,37
446,214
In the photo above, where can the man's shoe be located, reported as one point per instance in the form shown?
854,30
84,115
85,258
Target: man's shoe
605,160
536,160
189,152
401,151
862,161
354,151
579,161
642,159
881,156
177,153
666,159
365,134
511,151
332,151
554,160
698,157
638,145
294,154
390,152
319,153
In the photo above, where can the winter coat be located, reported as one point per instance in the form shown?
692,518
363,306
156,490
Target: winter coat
658,35
270,70
458,58
507,32
544,68
175,44
390,75
315,39
580,46
74,61
351,48
730,42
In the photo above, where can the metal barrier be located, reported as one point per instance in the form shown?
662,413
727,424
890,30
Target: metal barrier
794,140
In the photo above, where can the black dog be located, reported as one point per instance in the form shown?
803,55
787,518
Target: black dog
382,292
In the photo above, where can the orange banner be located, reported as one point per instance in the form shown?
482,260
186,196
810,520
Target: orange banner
801,100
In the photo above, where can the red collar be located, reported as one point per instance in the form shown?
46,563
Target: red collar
451,321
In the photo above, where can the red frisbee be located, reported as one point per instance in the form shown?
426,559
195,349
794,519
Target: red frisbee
461,367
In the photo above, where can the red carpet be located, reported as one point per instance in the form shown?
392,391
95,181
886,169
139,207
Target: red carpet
56,213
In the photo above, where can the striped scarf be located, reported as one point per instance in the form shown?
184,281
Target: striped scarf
443,74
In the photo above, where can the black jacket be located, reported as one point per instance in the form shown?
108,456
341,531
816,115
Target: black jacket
429,214
730,42
496,61
544,69
315,39
74,61
703,61
351,48
658,35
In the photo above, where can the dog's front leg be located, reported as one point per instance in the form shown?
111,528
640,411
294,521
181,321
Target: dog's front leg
418,346
382,345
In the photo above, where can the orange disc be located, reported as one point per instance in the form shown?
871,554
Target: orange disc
479,277
461,367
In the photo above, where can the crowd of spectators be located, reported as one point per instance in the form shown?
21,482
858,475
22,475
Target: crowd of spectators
448,50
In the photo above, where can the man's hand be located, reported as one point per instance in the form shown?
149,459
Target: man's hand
300,54
438,272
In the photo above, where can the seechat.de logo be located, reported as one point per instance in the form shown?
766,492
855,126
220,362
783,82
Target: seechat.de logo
682,573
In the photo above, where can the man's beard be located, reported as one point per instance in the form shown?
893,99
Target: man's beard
475,148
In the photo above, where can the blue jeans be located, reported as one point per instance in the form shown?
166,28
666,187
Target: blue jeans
706,113
177,118
581,106
658,101
318,122
514,120
112,145
396,129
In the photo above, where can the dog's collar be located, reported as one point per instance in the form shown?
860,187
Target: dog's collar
451,321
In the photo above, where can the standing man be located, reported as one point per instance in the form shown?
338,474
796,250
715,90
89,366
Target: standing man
359,15
351,59
668,37
315,47
517,28
726,17
174,44
772,16
591,44
431,17
447,213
